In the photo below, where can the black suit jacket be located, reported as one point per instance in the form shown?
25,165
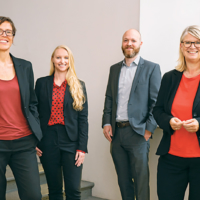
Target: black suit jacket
76,122
24,73
142,97
162,110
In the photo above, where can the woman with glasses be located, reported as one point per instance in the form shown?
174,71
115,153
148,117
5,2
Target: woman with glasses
19,122
177,112
63,113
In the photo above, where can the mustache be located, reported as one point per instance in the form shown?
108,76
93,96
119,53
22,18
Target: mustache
129,47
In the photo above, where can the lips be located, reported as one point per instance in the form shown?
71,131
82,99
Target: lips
4,41
192,52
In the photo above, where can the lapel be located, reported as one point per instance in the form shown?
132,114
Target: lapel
176,79
197,99
116,79
138,73
67,95
50,89
20,73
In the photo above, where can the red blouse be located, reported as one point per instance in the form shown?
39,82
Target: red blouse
184,143
13,124
57,115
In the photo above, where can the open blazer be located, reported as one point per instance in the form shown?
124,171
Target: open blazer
76,122
24,73
162,109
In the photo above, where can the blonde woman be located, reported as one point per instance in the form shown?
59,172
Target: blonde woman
177,112
63,113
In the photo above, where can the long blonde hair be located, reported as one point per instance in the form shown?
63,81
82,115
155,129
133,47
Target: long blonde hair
75,87
194,31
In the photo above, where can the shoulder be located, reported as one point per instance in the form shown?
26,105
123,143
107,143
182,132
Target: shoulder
82,83
116,65
21,61
149,63
171,73
42,79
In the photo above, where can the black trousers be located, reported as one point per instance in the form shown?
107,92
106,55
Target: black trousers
174,174
58,160
130,155
20,155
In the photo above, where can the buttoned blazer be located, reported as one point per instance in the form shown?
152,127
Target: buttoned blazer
24,73
142,97
162,110
76,122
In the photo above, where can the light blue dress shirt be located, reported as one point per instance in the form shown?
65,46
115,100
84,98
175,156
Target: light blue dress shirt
126,77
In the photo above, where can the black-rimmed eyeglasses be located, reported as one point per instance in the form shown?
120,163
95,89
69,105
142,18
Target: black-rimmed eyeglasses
188,44
7,32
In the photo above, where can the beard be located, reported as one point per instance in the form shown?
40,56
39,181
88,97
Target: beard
132,53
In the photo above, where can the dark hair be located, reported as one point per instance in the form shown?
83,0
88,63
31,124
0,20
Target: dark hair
7,19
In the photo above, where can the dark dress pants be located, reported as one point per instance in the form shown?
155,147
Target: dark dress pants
58,160
174,174
20,155
130,155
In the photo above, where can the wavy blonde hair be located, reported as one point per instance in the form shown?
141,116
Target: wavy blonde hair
194,31
75,87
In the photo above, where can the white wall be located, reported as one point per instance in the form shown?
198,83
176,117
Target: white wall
93,30
161,25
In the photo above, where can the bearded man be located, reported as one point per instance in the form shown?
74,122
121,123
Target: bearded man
128,122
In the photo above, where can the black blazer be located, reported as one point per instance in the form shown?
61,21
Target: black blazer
142,98
76,122
162,110
24,73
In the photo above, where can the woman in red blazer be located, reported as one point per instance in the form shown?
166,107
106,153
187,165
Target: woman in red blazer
177,112
63,113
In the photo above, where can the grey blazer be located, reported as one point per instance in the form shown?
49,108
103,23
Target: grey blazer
142,98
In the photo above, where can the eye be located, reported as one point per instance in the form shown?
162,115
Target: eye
187,42
198,42
9,31
66,57
58,57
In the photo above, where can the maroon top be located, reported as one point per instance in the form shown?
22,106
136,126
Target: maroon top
13,124
57,115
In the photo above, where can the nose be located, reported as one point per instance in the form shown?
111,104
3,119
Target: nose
62,60
192,45
4,34
129,42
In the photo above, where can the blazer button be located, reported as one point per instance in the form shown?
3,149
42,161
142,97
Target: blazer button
195,114
25,107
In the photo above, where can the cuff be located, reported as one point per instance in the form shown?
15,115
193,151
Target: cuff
80,151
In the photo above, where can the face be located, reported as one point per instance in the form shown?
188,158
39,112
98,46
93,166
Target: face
131,43
61,60
191,53
5,41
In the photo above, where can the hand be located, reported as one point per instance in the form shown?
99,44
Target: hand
147,135
107,131
80,156
191,125
175,123
38,152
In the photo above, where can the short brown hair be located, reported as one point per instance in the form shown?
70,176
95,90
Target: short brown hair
7,19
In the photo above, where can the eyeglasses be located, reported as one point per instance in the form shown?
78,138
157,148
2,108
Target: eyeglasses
188,44
7,32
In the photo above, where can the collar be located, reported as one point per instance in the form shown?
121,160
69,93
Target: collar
134,63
